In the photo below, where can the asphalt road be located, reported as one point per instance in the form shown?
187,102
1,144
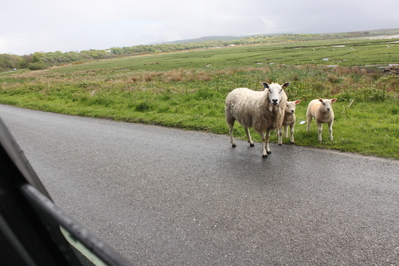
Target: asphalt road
164,196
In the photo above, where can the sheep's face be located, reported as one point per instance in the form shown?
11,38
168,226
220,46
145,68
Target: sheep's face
291,106
326,104
275,91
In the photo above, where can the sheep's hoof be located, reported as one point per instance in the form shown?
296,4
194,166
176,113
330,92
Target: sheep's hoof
280,144
233,145
264,156
252,145
269,152
292,142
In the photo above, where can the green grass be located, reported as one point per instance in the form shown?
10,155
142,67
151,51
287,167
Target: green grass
187,89
354,53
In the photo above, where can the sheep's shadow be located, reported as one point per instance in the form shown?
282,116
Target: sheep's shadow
245,162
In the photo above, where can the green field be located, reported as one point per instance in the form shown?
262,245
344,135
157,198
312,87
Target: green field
187,89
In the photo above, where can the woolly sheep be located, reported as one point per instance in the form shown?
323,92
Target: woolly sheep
261,110
289,120
321,110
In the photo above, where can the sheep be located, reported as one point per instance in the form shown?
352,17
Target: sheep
261,110
321,110
289,120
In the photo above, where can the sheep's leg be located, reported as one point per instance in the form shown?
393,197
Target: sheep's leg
280,136
263,136
320,130
265,143
268,151
309,120
286,131
251,143
231,126
330,129
292,141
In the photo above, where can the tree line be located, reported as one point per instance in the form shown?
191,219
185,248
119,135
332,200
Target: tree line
41,60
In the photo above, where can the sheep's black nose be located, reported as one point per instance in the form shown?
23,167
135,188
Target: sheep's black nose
292,111
275,101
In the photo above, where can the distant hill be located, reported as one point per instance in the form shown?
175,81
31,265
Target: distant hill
377,32
202,39
385,31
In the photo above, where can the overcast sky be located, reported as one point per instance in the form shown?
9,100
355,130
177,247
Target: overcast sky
28,26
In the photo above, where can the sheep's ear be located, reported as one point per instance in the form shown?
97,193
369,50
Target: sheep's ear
333,100
296,102
285,85
265,85
321,100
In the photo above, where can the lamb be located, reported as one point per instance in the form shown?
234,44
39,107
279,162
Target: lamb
321,110
289,120
261,110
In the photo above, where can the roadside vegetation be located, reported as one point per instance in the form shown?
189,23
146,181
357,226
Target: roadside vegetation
187,89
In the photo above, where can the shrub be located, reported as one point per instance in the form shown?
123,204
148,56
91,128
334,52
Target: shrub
37,66
367,94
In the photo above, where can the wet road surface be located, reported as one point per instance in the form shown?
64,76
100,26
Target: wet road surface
164,196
